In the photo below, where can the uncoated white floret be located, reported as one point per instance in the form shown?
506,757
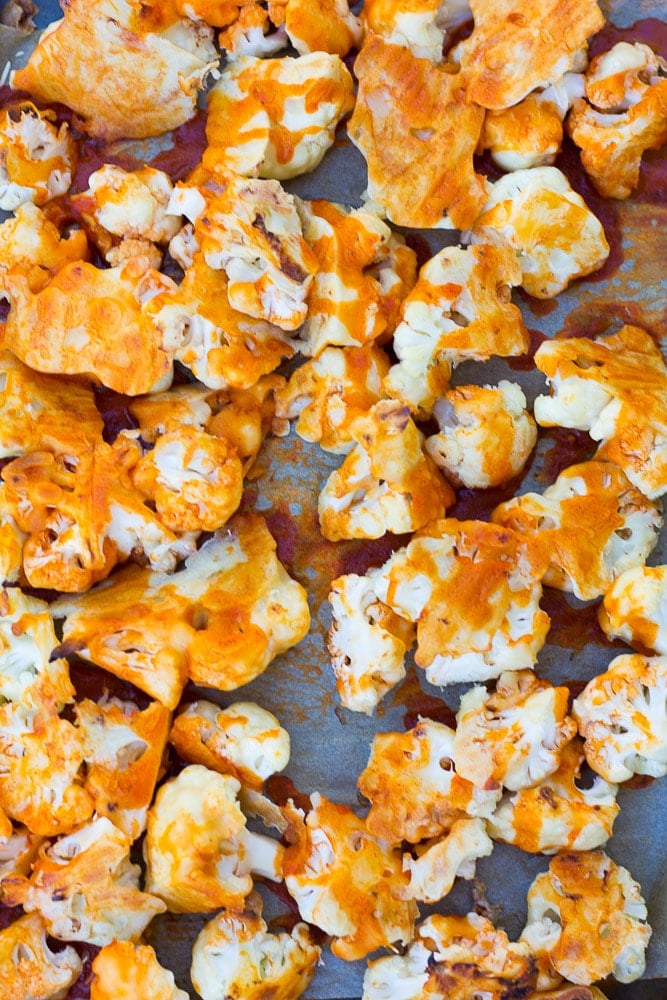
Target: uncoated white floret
235,955
621,716
486,434
635,608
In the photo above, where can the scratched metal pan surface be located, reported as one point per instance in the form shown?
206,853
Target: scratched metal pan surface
330,744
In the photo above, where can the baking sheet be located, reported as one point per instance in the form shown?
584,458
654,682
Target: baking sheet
330,744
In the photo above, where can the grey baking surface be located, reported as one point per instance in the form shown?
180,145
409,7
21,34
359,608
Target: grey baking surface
330,745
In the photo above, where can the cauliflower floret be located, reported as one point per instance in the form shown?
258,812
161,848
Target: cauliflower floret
328,26
627,83
616,389
590,525
586,920
12,540
156,64
486,434
198,852
195,479
367,642
126,971
439,863
251,230
419,27
247,31
454,958
513,736
18,849
29,674
123,748
517,46
33,246
243,740
386,483
488,580
37,158
221,619
459,310
329,392
413,787
344,881
536,214
276,117
234,955
621,716
365,271
418,132
92,321
557,814
635,608
86,888
41,784
29,968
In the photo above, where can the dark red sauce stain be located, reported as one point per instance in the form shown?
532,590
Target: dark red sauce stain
280,789
188,144
284,529
649,30
93,154
526,362
538,307
115,411
573,628
418,704
358,557
569,447
478,505
87,952
638,781
601,318
8,914
94,682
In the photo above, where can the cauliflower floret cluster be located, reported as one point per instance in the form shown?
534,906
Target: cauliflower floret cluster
30,968
123,971
635,608
33,246
37,158
420,27
331,27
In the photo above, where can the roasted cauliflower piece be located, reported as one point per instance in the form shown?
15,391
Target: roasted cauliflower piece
418,133
124,971
413,787
454,958
635,608
328,27
536,214
586,920
420,26
367,642
345,881
30,969
364,273
236,955
489,581
517,47
627,115
86,888
557,814
513,736
459,310
32,245
128,71
92,321
37,157
621,716
440,862
220,620
386,483
198,852
327,394
276,117
123,748
247,29
486,434
591,525
243,739
615,388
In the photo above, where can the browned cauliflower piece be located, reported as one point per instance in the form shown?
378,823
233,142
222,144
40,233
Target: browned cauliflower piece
37,157
243,739
345,881
86,888
615,388
454,958
386,483
329,26
198,852
459,310
438,863
32,245
421,26
621,716
129,71
30,969
236,955
635,608
327,394
513,736
591,525
557,814
586,920
413,787
124,971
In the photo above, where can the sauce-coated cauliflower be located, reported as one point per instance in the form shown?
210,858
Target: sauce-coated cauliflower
125,971
33,246
329,26
37,158
635,608
30,969
419,25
